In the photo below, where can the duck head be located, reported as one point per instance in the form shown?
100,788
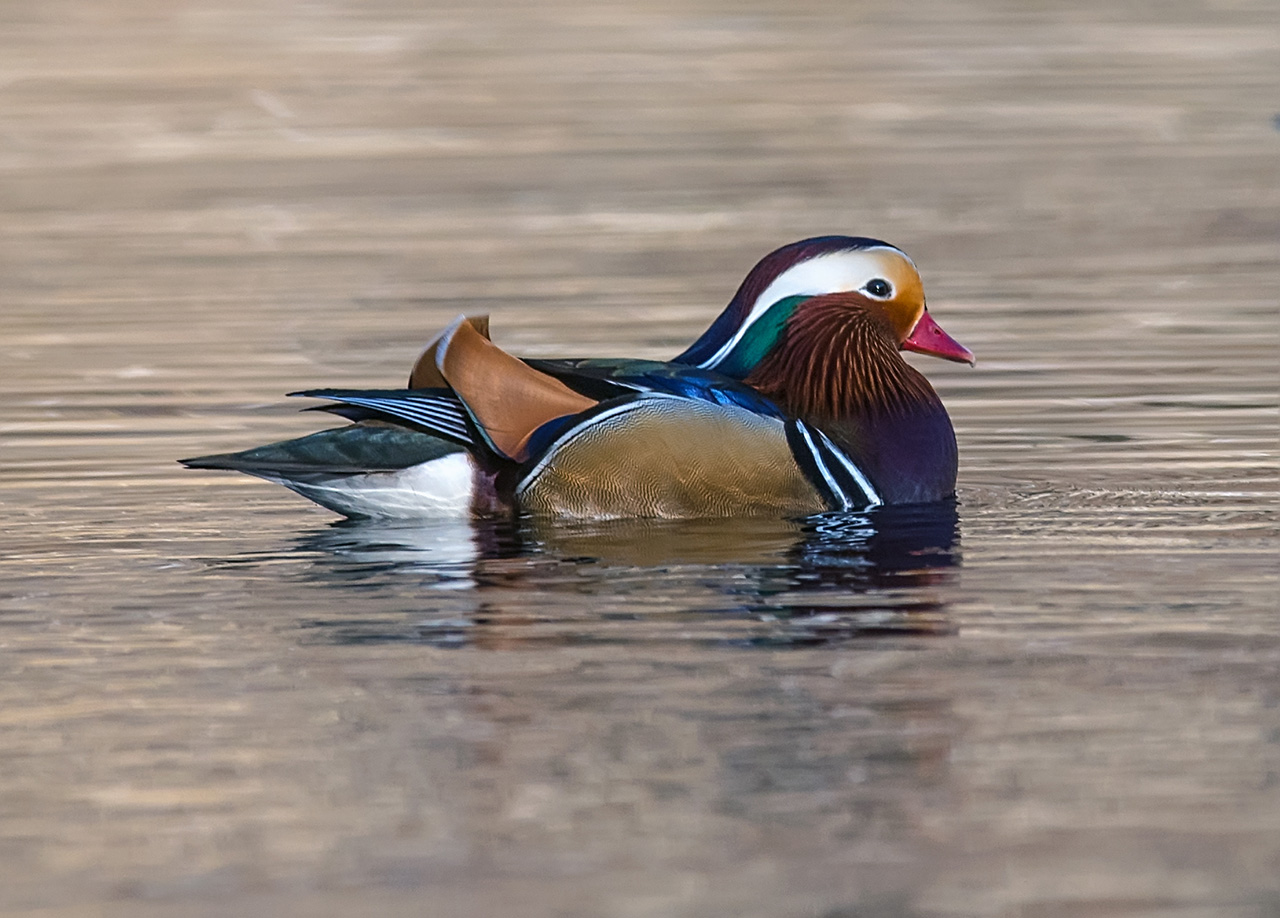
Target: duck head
879,281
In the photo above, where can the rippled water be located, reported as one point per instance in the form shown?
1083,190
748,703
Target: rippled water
1057,698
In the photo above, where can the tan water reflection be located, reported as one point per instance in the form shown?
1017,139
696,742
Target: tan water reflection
1061,702
756,582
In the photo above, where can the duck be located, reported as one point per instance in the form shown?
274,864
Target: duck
796,400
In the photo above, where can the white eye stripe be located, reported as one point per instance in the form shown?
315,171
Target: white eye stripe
836,272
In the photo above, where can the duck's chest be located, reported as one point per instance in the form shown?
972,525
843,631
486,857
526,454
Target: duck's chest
910,458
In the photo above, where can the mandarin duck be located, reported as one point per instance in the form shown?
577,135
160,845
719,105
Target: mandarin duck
795,401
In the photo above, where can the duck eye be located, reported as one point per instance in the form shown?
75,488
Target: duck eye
879,288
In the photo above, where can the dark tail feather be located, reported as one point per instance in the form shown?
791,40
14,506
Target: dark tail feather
433,411
343,451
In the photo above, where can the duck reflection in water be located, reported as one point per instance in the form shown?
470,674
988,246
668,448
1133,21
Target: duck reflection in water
820,579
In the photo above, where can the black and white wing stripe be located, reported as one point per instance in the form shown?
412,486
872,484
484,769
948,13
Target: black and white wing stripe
829,468
437,412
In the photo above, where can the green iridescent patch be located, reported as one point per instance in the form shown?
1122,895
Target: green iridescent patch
759,339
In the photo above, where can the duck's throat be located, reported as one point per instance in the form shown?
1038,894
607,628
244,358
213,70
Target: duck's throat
832,364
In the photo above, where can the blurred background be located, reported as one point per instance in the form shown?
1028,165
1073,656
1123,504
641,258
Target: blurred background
306,161
214,703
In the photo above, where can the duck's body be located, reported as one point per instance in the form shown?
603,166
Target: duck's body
795,401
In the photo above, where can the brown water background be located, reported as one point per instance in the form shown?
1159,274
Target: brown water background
213,701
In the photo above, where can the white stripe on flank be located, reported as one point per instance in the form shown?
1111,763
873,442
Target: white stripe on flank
834,488
549,453
873,498
836,272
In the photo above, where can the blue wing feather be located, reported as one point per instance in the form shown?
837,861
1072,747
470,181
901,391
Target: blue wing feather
605,378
